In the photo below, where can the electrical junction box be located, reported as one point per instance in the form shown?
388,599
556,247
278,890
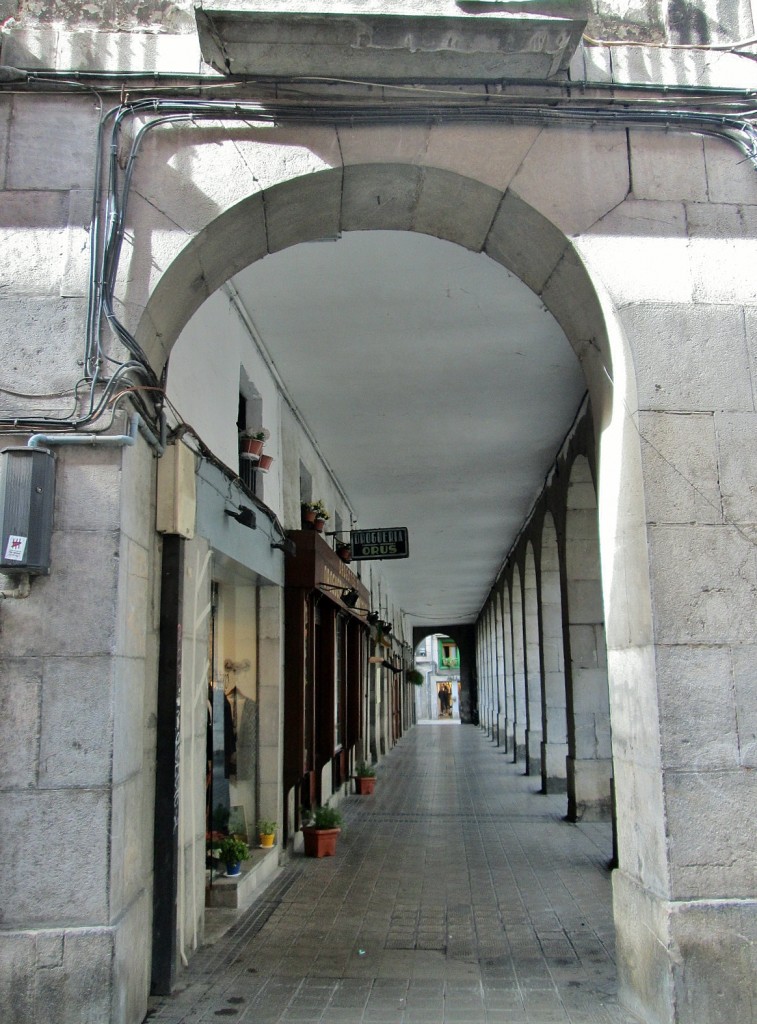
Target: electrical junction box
177,491
27,487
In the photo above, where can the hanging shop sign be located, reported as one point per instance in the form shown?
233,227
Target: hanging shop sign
390,543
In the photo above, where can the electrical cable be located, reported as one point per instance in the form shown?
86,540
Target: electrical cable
109,209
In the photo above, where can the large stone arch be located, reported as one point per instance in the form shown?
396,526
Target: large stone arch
500,223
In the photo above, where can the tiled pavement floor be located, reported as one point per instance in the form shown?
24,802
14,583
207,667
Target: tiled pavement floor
457,894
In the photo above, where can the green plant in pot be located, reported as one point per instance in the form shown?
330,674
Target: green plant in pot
251,443
232,851
414,676
266,831
365,778
321,831
314,514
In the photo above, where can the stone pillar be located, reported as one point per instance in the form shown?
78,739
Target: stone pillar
519,674
509,727
499,647
533,668
554,749
589,764
77,751
684,701
270,672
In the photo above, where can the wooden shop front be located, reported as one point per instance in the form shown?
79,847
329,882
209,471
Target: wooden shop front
325,671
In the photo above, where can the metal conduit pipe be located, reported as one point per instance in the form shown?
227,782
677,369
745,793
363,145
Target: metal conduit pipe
100,440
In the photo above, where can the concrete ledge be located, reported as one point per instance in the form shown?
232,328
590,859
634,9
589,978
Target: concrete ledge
238,892
349,38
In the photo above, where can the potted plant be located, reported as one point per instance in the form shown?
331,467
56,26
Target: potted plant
314,514
321,831
365,779
344,550
251,443
232,852
266,832
264,463
415,677
321,515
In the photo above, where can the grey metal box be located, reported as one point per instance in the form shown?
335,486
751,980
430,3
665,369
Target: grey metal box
27,485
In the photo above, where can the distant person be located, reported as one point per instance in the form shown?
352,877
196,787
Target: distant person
444,701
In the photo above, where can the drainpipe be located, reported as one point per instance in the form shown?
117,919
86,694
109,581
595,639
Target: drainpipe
104,440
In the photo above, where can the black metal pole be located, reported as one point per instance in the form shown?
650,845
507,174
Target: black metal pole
166,829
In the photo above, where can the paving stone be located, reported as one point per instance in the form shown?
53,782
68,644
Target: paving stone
456,897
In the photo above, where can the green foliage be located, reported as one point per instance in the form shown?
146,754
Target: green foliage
415,677
325,817
231,850
266,827
365,770
318,507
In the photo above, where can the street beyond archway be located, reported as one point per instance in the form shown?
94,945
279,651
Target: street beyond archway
457,893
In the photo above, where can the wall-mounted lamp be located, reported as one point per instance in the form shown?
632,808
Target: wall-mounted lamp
372,618
349,596
384,664
243,515
384,626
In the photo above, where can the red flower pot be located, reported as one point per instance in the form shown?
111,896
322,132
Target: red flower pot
264,463
319,525
365,784
320,842
250,447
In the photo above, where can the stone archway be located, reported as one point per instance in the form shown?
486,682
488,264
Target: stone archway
514,234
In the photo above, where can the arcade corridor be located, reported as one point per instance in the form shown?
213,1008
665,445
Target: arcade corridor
458,893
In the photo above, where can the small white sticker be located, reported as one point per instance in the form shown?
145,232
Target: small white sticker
16,549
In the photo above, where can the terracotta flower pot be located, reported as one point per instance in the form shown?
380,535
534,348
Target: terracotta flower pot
365,784
308,516
319,525
250,447
320,842
264,463
345,553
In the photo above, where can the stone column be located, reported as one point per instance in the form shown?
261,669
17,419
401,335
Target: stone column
77,751
270,672
685,704
589,764
519,673
499,647
533,668
554,750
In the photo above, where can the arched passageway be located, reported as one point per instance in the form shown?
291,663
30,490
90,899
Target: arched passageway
578,303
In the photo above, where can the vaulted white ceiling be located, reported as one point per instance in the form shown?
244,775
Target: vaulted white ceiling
439,388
